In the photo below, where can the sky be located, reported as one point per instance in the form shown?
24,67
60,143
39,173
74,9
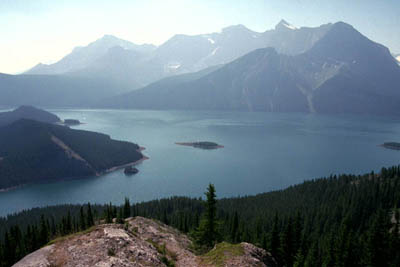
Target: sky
34,31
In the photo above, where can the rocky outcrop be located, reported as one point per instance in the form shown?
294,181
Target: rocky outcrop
140,242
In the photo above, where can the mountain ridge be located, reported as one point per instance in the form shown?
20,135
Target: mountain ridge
264,80
179,54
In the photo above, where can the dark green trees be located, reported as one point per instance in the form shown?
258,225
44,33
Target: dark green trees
90,219
344,220
127,208
207,234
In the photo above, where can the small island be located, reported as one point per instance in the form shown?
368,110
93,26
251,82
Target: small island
201,144
391,145
130,170
71,122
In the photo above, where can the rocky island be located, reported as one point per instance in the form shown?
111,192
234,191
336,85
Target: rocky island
130,170
391,145
71,122
201,144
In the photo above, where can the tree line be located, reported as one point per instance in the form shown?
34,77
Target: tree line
344,220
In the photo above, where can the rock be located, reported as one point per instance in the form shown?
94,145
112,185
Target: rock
140,242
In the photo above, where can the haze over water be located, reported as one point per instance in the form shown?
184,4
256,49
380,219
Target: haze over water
263,152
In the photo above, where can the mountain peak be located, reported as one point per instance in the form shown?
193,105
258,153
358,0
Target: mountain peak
284,25
237,27
109,37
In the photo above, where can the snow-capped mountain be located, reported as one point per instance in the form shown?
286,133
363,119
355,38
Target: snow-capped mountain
81,57
138,65
343,72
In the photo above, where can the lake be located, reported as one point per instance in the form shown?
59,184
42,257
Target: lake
263,152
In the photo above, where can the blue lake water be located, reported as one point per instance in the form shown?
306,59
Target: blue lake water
263,152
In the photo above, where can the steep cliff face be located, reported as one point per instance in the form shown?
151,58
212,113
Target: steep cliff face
140,242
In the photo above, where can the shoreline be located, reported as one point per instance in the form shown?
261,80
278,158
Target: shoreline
114,168
134,163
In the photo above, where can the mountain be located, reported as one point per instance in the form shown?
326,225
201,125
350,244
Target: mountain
32,151
27,112
55,90
150,244
134,66
159,90
82,57
397,57
125,68
343,72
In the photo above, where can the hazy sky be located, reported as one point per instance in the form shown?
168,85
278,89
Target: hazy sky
34,31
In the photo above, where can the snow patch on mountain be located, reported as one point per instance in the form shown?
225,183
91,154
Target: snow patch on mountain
290,26
214,51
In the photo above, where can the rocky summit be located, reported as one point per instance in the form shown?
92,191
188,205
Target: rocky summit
140,242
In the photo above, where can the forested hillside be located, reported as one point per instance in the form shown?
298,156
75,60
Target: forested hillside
50,152
27,112
344,220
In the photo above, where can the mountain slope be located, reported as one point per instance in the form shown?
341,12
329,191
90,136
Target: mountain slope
54,90
157,93
27,112
343,72
51,152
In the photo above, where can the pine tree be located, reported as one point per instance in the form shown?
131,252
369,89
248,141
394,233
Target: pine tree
9,251
287,240
312,258
207,234
68,223
44,232
127,208
275,240
90,220
235,226
53,228
376,247
82,219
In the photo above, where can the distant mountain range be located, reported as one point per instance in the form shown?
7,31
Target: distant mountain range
342,72
181,53
133,66
331,68
34,151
